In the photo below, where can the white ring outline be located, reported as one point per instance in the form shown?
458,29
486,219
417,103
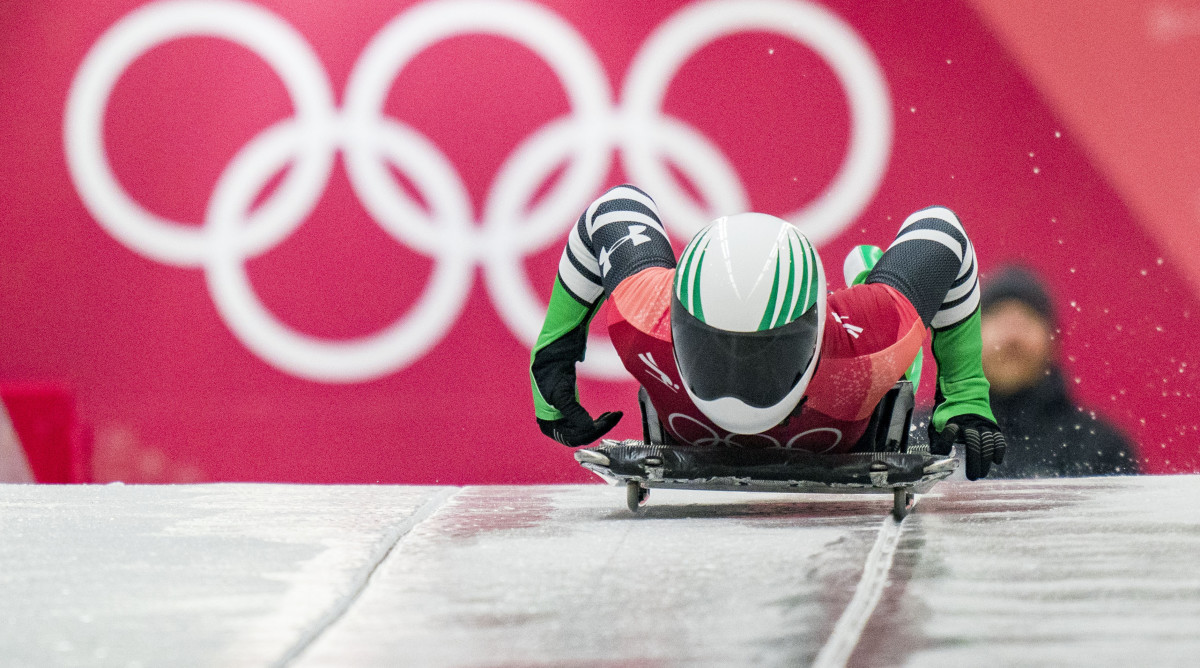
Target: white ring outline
594,128
697,25
264,34
713,439
838,432
332,361
531,26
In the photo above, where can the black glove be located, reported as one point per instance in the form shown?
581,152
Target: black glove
984,443
576,427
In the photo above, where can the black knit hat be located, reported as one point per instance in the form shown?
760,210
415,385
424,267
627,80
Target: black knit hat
1019,283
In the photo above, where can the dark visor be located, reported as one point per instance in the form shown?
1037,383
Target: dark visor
759,368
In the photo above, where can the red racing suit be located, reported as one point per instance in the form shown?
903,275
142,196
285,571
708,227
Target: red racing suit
872,334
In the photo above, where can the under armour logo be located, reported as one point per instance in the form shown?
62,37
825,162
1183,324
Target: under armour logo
635,235
853,330
655,371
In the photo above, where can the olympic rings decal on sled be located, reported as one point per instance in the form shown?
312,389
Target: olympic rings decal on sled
586,140
711,439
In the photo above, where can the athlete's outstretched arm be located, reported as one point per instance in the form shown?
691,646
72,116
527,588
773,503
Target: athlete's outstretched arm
617,236
932,263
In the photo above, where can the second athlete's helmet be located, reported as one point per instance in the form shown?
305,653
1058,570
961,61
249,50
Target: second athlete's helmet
747,318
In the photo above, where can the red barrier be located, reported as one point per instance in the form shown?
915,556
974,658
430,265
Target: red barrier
58,448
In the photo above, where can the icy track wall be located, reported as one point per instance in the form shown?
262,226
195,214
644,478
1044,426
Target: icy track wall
263,241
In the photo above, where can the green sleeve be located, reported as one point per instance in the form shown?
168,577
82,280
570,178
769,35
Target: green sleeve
561,343
961,386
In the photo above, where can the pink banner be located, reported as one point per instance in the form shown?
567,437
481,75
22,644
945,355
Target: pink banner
313,242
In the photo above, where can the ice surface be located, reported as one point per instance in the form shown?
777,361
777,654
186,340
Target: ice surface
1090,572
566,575
211,575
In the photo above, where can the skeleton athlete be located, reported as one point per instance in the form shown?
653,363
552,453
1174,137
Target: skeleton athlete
741,345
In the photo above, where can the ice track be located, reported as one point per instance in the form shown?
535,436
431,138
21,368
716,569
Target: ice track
1041,573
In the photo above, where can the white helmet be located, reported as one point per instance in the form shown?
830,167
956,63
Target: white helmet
747,319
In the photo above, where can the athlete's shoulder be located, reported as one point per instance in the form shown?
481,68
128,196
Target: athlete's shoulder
866,318
868,300
846,305
644,300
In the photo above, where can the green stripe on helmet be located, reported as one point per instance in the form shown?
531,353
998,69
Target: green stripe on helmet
806,280
697,306
811,277
769,313
683,273
785,307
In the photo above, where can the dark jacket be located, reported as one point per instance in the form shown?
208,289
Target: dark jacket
1048,436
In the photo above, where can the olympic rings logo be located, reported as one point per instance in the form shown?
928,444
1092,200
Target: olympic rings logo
749,441
585,140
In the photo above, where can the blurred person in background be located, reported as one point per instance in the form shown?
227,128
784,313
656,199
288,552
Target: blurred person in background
1047,434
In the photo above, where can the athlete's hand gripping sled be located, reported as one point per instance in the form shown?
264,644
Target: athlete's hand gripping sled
881,462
